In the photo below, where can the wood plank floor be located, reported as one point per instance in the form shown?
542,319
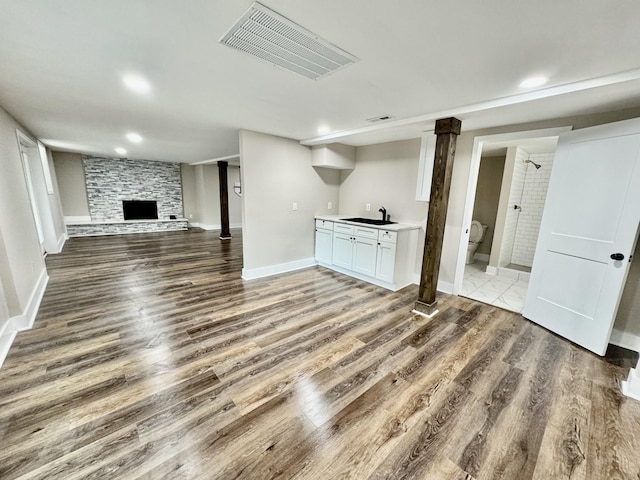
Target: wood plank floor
151,358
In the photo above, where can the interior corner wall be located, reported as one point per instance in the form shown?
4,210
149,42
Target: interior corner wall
190,205
23,264
485,207
235,201
276,172
71,182
55,201
385,175
201,196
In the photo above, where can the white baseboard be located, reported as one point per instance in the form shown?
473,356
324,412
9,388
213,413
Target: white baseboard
252,273
25,321
631,386
445,287
61,241
625,340
217,226
74,220
483,257
7,335
491,270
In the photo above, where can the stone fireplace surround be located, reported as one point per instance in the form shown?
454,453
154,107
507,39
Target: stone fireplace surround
109,181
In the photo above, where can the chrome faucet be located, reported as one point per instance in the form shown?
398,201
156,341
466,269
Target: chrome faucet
384,213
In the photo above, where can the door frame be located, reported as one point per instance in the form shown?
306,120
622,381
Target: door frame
472,183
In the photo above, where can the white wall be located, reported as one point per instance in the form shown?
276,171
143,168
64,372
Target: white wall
73,190
276,172
24,259
385,175
201,196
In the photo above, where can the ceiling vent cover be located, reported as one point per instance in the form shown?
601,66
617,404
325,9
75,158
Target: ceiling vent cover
276,39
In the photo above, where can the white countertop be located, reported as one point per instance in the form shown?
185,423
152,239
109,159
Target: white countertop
392,227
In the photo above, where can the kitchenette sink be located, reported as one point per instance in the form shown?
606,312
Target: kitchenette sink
369,221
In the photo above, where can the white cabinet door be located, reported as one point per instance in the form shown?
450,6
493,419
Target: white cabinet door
364,256
324,245
588,233
342,250
386,261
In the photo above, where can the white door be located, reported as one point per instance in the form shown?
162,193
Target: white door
342,250
588,233
32,200
386,261
324,245
364,256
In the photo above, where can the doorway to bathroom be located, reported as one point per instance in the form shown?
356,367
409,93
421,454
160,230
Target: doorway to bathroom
507,190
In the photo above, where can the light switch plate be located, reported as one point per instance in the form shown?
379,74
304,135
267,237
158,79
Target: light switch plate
329,205
294,206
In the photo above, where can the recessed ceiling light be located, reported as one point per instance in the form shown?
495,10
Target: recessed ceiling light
136,83
323,129
532,82
134,137
121,151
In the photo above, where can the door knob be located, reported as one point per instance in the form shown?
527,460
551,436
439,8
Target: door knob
617,256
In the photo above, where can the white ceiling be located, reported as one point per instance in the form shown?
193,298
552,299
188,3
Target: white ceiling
61,63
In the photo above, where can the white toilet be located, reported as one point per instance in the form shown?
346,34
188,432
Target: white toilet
476,236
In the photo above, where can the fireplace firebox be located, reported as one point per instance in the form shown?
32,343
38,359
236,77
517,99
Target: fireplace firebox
140,209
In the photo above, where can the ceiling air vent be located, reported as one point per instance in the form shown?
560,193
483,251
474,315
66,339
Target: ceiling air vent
381,118
276,39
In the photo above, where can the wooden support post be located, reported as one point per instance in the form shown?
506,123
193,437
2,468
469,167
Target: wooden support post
447,131
225,234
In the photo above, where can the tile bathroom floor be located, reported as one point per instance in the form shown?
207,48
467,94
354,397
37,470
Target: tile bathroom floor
500,291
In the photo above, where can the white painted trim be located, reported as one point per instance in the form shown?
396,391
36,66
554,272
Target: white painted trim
7,335
483,257
75,220
61,241
25,140
625,340
491,270
25,321
216,160
631,386
472,183
418,312
445,287
204,226
481,106
253,273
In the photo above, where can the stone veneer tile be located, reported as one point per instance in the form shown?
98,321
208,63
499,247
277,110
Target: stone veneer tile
111,180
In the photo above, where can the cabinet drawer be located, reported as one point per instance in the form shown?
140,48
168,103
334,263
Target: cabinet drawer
365,232
324,224
386,236
343,228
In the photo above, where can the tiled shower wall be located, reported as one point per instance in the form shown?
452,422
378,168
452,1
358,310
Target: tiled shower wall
534,194
511,221
111,180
